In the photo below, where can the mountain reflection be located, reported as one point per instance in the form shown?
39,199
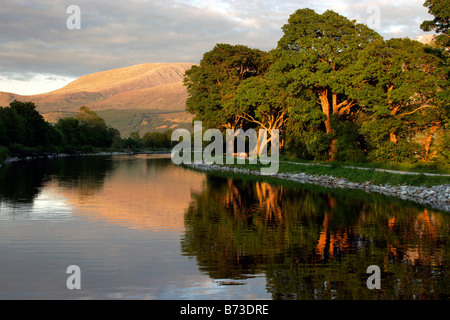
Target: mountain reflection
311,244
140,192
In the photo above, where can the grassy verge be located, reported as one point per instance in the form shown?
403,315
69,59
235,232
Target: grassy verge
419,167
354,175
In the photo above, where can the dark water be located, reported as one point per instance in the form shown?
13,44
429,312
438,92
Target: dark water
141,228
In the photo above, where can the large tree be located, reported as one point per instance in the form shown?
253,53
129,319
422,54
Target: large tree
261,103
440,9
212,85
398,82
37,132
316,52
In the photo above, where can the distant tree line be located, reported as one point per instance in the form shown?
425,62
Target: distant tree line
25,132
152,140
335,89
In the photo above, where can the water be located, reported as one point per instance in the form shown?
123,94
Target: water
140,227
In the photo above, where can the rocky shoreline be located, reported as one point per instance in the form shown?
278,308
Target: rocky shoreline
437,197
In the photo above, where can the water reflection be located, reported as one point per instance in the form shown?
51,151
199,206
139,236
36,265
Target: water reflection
143,192
25,181
242,237
313,244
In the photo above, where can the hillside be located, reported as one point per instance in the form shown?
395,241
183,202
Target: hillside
153,93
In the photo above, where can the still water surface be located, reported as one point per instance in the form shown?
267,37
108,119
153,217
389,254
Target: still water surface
140,227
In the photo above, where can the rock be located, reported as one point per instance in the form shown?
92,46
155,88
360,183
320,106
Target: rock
436,196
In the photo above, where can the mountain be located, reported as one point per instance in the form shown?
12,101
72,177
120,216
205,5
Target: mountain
426,39
142,98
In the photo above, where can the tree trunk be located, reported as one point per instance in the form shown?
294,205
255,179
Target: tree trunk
325,103
429,140
393,137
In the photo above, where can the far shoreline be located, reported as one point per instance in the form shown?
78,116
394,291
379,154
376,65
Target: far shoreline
13,159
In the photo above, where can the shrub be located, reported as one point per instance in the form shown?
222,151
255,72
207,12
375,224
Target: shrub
4,154
401,151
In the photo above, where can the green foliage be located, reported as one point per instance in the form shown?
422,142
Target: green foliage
314,61
4,154
86,128
350,144
158,140
307,142
135,136
19,150
335,89
440,9
71,131
402,151
34,125
212,85
317,144
24,132
94,128
399,82
12,127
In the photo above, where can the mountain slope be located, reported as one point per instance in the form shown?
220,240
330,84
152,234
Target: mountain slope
155,88
98,90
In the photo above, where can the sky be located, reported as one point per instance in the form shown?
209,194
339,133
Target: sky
42,48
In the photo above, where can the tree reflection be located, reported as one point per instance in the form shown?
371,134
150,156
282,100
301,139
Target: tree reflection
313,244
22,182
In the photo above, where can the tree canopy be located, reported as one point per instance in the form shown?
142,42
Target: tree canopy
212,85
440,9
334,88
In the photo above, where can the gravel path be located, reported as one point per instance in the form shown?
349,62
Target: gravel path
376,169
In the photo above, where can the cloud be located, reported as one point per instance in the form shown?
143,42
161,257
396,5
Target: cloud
36,40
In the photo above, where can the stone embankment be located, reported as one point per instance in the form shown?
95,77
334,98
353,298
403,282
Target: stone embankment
437,197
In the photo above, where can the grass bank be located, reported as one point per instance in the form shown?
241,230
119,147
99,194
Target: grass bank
419,167
350,172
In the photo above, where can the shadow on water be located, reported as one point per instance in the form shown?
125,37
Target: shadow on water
22,182
317,243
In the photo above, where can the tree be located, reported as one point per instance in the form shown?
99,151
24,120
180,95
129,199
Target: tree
94,128
14,127
212,85
398,82
86,128
71,131
35,126
157,140
440,9
260,102
316,52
